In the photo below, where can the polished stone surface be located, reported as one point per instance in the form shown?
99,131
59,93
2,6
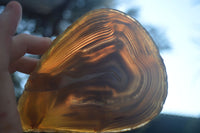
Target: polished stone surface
104,73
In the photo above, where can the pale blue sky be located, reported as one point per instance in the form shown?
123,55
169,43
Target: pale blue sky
181,21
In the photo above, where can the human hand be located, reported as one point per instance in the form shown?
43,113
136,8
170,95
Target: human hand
12,50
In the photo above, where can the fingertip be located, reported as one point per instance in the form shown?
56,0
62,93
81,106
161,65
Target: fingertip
43,44
12,15
48,40
46,43
13,6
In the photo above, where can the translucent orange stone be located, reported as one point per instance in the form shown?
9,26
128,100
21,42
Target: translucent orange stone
103,74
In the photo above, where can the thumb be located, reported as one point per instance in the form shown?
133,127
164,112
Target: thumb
10,18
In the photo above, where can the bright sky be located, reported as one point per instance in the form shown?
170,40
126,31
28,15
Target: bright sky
181,21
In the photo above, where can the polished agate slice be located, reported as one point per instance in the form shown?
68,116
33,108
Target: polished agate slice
103,74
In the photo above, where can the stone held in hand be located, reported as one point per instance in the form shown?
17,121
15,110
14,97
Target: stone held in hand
103,74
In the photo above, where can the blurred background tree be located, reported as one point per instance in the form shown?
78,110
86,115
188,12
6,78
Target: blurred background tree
50,18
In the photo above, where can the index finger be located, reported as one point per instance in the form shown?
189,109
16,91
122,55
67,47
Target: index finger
25,43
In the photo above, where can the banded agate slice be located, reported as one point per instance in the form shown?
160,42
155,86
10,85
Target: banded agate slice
103,74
